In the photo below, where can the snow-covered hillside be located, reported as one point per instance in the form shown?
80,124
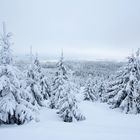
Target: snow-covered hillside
101,123
66,100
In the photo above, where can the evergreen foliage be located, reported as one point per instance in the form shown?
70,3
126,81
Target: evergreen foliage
124,91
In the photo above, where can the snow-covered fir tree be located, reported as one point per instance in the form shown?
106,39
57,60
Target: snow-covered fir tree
63,97
124,91
68,108
13,107
37,84
90,89
101,91
45,87
43,80
101,88
58,86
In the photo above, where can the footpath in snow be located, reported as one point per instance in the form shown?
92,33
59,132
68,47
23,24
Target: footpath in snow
101,123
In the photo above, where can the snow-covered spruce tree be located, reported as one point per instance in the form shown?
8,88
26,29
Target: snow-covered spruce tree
101,88
68,108
13,108
58,86
45,87
90,93
37,84
101,91
62,97
108,83
124,91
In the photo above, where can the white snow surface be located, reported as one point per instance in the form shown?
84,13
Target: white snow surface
101,123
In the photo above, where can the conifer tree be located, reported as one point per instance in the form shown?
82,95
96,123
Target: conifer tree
45,87
63,97
101,89
33,80
37,83
90,93
42,80
124,91
58,89
68,108
13,107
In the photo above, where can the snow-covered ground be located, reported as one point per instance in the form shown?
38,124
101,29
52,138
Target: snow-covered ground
101,123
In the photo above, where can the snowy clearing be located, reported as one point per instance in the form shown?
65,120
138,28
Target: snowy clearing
101,123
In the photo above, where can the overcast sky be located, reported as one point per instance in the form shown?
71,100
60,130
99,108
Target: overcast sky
85,29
